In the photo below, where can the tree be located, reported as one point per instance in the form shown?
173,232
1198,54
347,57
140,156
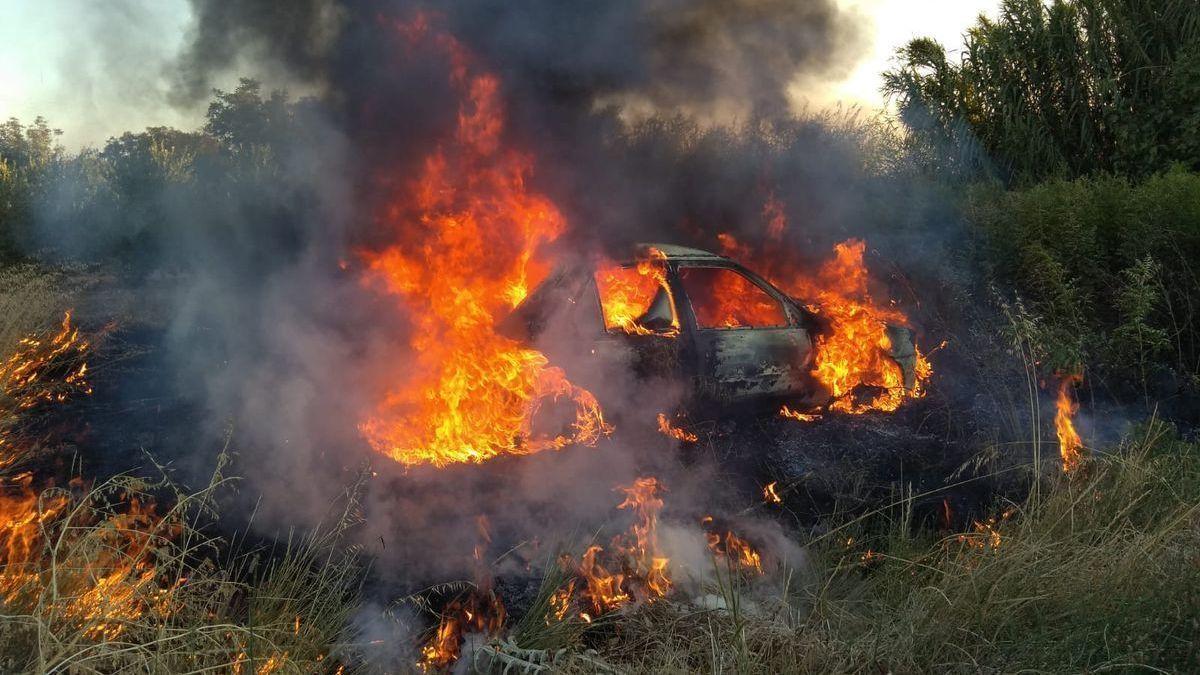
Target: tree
1066,88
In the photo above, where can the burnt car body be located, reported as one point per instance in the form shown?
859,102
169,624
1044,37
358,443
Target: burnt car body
720,357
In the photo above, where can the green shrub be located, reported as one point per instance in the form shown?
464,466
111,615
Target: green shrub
1108,263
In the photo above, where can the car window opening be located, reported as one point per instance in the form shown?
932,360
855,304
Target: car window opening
724,298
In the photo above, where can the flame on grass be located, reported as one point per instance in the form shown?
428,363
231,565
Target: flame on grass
467,242
787,412
737,551
102,575
631,569
1070,445
666,428
478,610
770,495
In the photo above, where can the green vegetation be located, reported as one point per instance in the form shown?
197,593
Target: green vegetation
1061,88
1109,266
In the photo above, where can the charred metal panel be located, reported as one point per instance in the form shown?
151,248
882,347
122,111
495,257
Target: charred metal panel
740,364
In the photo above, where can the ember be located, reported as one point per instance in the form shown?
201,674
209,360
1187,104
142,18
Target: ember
468,240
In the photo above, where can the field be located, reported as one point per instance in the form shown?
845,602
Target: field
315,387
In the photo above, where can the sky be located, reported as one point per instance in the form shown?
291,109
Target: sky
90,69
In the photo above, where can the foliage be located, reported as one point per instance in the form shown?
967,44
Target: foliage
1062,88
27,154
144,197
1108,264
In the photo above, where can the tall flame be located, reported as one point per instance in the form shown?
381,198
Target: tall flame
1070,445
855,350
468,244
627,293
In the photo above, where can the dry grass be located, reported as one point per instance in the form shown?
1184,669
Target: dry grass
1102,574
124,576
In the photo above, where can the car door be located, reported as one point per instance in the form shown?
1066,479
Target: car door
748,342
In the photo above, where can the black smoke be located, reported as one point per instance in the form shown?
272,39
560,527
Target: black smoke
653,120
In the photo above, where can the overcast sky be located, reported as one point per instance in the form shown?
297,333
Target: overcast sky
96,68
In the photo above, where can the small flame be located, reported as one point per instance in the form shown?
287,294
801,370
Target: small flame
631,569
736,550
666,428
770,495
481,611
787,412
1070,446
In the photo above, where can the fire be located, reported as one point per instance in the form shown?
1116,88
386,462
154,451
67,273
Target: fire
668,429
478,611
627,294
46,369
631,569
92,563
787,412
770,495
1070,445
481,611
854,352
468,242
986,534
733,548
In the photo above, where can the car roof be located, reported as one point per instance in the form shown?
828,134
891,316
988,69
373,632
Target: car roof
675,252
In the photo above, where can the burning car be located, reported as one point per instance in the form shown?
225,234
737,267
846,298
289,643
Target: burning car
707,321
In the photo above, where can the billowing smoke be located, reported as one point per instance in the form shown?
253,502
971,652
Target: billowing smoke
291,41
658,119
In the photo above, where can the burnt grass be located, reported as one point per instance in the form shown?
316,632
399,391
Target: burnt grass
827,471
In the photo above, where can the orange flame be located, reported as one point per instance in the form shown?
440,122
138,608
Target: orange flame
855,350
468,244
1070,445
787,412
478,611
627,293
631,569
666,428
770,495
481,611
116,582
46,369
736,550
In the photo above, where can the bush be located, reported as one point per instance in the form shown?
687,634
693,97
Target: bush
1108,263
